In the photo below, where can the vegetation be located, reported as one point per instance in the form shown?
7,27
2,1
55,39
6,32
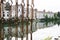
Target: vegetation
48,38
58,14
12,22
54,18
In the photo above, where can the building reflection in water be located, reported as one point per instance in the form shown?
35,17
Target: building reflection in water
15,31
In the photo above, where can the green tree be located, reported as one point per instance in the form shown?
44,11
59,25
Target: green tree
46,16
58,14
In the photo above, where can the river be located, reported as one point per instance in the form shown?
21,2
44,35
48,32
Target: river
40,31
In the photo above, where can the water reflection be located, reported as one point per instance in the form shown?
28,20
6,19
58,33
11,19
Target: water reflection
16,31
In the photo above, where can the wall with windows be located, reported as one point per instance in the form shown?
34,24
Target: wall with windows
6,14
42,14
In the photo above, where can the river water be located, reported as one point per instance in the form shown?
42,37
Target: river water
40,31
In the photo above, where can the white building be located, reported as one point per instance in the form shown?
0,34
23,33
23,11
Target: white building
42,14
37,14
6,13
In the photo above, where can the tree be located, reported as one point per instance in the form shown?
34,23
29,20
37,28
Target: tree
58,14
46,16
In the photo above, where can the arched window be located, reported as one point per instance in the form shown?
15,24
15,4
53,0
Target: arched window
7,6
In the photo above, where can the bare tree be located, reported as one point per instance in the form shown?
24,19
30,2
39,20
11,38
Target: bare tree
32,6
9,23
16,20
22,20
1,22
27,19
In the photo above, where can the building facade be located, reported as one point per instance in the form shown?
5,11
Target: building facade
36,15
42,14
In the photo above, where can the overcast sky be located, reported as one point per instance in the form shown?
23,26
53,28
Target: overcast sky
48,5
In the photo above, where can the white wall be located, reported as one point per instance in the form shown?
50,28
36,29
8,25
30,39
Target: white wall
6,12
43,14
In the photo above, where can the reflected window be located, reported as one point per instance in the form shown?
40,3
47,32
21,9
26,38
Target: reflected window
3,15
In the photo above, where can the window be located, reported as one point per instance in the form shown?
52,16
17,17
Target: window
3,15
3,12
19,9
7,14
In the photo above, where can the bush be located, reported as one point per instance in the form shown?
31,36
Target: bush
48,38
